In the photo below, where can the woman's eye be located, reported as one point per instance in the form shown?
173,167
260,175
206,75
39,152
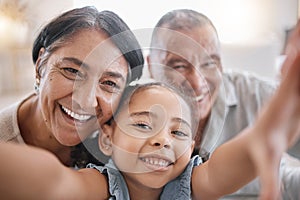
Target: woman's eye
72,73
110,83
110,86
71,70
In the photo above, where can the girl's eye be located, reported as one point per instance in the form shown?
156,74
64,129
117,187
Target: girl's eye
142,126
179,133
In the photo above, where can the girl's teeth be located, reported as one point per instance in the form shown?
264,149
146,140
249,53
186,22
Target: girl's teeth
156,161
75,115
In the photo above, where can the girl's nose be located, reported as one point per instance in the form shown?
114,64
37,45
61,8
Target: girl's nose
161,140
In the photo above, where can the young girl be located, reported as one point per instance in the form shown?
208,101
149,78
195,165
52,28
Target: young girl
150,141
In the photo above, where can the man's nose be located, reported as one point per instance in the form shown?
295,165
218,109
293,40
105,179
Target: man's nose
196,80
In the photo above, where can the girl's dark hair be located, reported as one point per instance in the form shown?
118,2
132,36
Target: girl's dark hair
63,27
187,96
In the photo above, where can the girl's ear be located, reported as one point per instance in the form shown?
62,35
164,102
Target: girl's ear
105,137
149,66
192,145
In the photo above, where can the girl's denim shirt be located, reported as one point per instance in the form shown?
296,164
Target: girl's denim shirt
177,189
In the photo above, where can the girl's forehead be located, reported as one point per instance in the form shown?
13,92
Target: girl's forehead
158,96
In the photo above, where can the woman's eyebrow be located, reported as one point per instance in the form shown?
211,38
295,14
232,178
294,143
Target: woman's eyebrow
76,61
114,74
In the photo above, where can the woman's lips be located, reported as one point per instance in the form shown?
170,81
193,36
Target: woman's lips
76,116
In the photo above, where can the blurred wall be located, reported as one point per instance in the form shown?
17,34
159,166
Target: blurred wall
17,72
252,33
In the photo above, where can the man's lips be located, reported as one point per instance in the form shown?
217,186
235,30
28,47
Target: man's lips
201,96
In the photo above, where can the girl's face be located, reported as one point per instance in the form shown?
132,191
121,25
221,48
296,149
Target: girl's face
151,139
81,85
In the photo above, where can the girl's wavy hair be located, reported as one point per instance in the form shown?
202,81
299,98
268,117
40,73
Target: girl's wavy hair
186,95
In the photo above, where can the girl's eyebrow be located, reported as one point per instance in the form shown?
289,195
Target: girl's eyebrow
147,113
180,120
143,113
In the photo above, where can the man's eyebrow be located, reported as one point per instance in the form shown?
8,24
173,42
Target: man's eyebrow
76,61
215,57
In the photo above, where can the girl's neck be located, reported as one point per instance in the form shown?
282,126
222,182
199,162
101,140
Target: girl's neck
138,191
35,132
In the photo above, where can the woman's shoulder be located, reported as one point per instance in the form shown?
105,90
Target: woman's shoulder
9,125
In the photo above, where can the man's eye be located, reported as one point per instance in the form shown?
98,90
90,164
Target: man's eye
209,64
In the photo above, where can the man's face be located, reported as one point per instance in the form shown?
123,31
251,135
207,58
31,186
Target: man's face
190,58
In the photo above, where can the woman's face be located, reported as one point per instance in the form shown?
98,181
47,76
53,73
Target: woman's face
81,86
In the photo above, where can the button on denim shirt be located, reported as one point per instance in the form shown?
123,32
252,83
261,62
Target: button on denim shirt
177,189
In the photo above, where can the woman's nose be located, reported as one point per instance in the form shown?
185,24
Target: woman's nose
86,95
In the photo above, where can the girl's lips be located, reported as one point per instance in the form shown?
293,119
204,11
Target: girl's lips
156,163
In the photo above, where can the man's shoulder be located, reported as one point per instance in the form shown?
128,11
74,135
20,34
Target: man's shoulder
246,79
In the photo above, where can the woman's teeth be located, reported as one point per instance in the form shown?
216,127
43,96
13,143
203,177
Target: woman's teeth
75,115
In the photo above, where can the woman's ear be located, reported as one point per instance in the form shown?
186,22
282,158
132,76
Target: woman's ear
105,137
38,71
38,63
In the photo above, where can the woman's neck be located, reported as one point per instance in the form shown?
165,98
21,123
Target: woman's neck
35,132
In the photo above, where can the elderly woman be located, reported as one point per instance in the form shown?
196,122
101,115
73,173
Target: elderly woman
83,59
